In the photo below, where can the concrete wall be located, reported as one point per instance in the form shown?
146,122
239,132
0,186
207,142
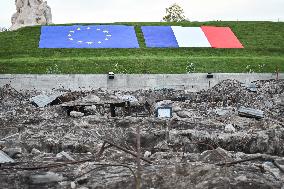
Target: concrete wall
192,82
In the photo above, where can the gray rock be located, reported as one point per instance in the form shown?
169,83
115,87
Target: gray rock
164,103
4,158
251,87
43,100
215,156
241,178
147,154
186,114
83,187
72,185
65,155
230,128
76,114
35,151
162,146
130,98
221,112
91,110
282,100
250,112
13,152
91,98
49,177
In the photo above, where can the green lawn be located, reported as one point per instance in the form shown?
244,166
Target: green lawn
263,52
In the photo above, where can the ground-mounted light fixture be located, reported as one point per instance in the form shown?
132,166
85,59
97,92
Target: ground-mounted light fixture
110,75
210,76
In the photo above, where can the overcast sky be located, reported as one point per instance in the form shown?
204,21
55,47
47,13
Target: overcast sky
90,11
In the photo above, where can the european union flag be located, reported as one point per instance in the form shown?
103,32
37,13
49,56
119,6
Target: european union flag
93,36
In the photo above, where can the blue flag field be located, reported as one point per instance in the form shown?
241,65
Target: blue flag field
92,36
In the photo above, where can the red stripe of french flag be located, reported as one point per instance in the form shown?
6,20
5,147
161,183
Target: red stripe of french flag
221,37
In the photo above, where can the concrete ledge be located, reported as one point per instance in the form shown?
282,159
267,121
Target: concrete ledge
192,82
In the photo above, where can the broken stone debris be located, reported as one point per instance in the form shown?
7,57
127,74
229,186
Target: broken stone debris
48,177
43,100
35,151
215,156
184,149
250,112
230,128
223,111
92,104
147,154
252,87
76,114
130,98
13,152
4,158
65,155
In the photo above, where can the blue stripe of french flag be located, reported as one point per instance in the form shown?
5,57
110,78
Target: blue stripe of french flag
174,36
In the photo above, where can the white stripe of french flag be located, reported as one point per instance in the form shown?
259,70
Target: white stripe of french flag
190,37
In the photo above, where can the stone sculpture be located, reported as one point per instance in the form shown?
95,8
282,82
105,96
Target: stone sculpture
30,13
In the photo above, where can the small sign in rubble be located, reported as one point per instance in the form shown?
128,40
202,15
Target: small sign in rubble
164,109
164,112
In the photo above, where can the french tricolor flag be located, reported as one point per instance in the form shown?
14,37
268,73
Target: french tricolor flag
177,36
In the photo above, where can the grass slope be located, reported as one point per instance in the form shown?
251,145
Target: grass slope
263,42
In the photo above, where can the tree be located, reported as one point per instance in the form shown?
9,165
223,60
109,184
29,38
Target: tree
3,29
174,14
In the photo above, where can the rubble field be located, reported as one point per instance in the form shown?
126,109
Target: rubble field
230,136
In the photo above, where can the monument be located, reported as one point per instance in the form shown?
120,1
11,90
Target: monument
30,13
